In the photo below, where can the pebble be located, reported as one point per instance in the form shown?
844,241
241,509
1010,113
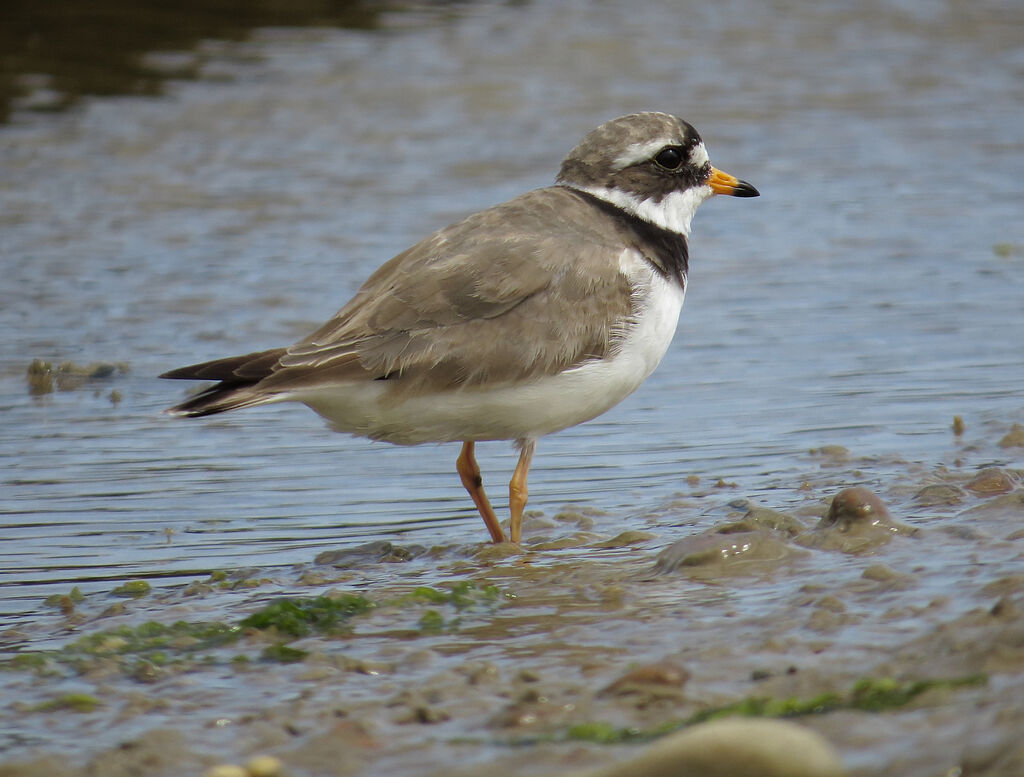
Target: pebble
711,555
855,505
626,538
663,674
264,766
887,576
1014,438
990,482
735,747
857,521
939,494
226,770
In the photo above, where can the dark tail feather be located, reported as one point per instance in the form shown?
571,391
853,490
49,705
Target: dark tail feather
238,376
245,369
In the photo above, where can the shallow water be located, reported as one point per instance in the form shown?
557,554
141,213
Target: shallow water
870,295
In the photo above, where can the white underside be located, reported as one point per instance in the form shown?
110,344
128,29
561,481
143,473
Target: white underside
524,410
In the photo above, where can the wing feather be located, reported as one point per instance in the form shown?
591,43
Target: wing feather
531,291
528,288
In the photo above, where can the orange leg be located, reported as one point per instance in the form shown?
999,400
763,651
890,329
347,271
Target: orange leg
517,490
469,471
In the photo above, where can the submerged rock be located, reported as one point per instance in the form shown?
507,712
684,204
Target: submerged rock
990,482
377,551
663,678
1005,506
758,518
707,556
855,506
857,521
1014,438
939,494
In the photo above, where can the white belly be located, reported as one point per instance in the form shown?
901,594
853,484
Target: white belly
512,412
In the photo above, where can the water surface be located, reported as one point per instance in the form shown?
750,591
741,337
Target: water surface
870,295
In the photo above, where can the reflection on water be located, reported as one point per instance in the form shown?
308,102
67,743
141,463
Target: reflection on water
866,298
58,51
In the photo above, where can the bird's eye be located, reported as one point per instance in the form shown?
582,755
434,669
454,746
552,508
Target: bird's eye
671,158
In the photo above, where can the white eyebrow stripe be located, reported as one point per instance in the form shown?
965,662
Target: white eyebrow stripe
639,152
642,152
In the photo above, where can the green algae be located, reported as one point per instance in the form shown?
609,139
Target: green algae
764,707
866,695
72,597
283,654
133,589
43,377
302,616
462,595
26,662
148,650
153,639
877,695
603,733
431,622
73,702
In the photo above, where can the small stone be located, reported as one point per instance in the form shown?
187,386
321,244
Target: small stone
497,551
735,747
990,482
575,540
527,676
1014,438
888,577
226,770
1005,609
423,714
856,522
1004,506
774,520
643,679
478,672
939,494
1009,584
713,555
626,538
146,672
369,552
855,505
582,518
824,621
264,766
830,603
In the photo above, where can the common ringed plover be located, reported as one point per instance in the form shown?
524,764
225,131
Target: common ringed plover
518,321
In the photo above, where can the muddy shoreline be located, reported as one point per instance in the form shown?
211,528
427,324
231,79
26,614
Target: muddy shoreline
597,638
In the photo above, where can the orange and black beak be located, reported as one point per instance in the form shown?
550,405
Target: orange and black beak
723,183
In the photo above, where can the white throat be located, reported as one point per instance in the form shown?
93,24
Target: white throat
674,212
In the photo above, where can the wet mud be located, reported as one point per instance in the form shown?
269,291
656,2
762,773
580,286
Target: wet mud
603,645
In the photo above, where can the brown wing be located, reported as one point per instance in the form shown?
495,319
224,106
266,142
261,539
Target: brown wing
522,289
527,288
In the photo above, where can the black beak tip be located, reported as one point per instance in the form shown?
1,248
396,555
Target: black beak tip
744,189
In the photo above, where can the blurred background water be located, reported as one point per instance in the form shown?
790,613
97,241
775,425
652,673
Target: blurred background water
179,186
